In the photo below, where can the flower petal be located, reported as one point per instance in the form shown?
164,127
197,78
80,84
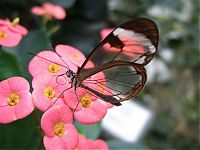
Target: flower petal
52,116
68,141
12,39
92,114
73,54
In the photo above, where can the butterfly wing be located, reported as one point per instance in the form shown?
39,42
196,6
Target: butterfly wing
121,57
117,82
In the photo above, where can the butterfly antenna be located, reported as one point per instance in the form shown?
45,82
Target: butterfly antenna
62,60
49,60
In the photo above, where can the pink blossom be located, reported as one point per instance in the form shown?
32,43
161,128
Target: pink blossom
74,55
88,108
131,47
59,131
14,26
49,10
100,144
105,32
48,62
16,100
9,38
84,143
48,90
11,33
88,144
71,53
98,83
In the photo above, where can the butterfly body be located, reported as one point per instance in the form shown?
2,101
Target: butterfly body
73,76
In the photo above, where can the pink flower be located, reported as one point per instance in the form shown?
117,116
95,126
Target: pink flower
71,53
87,144
131,47
16,100
14,26
100,144
83,143
47,90
59,131
89,110
48,62
11,33
74,55
105,32
98,83
9,38
49,10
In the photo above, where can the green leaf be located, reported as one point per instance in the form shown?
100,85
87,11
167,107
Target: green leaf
34,42
90,131
119,145
21,134
9,65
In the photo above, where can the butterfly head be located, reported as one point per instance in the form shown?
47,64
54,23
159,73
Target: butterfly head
70,74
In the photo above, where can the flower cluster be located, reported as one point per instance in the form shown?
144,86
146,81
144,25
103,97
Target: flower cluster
53,94
61,103
11,32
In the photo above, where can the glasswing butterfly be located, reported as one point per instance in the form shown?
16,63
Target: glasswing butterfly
118,62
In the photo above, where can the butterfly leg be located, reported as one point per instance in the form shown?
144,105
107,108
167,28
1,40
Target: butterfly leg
77,102
58,98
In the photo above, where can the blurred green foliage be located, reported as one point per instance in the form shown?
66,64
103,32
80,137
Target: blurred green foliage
176,101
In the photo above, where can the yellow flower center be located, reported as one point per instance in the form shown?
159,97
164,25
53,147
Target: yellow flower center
59,129
54,68
49,92
75,57
86,100
3,35
13,99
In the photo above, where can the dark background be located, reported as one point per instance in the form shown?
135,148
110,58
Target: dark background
174,99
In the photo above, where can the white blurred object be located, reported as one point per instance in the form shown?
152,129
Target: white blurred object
112,4
128,122
166,11
167,54
157,70
157,10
